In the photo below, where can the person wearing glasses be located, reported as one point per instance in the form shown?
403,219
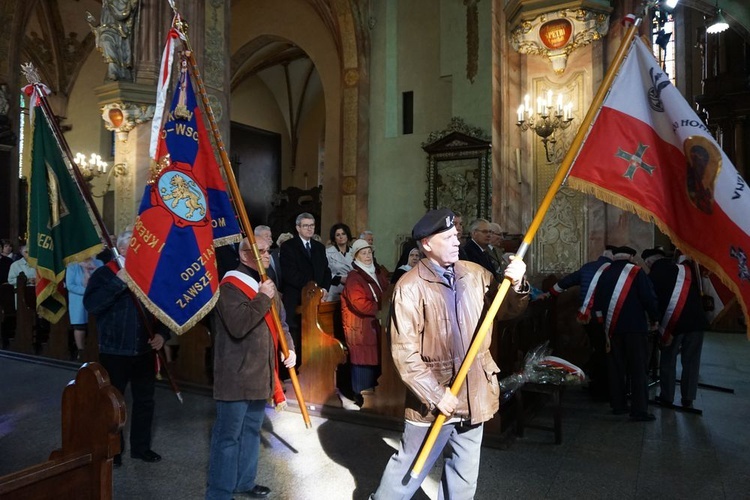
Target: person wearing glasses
302,259
476,248
246,367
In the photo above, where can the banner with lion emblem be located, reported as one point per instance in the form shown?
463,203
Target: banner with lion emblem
184,214
649,153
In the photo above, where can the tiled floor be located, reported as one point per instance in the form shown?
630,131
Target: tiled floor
680,455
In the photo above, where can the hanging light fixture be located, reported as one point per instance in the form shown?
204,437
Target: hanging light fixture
718,23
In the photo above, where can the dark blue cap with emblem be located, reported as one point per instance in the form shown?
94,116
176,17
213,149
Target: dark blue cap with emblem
433,222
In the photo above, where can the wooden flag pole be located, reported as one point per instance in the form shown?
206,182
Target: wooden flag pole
562,173
241,212
33,78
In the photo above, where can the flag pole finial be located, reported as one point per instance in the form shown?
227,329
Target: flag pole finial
31,73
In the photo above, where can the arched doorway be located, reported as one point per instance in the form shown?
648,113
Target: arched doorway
306,57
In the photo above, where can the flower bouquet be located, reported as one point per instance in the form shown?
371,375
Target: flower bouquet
541,368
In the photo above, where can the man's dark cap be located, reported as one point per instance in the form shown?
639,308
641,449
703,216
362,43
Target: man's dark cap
650,252
625,249
433,222
611,248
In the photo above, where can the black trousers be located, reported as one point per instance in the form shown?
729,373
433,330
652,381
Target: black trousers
140,372
629,356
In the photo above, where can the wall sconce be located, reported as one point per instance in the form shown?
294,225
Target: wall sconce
549,118
91,167
95,167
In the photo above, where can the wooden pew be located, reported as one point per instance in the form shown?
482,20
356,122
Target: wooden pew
57,345
390,394
93,412
190,363
25,318
322,352
7,313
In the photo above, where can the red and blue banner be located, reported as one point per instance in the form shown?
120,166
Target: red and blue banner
185,212
649,153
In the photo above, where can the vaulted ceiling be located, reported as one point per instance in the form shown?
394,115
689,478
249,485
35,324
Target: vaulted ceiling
57,38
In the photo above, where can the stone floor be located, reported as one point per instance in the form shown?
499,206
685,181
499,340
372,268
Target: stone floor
680,455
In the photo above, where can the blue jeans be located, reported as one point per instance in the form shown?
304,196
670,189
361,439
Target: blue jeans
235,445
461,470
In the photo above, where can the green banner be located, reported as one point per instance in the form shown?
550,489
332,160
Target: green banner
60,228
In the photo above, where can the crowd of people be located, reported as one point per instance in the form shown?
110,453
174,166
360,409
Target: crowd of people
439,288
638,318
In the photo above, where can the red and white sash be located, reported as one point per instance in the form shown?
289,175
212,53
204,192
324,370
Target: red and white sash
584,313
676,302
624,282
249,286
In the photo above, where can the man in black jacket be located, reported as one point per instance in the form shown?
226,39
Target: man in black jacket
626,304
682,324
302,260
125,349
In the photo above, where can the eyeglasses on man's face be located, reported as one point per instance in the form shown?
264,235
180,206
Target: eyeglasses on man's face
262,251
307,226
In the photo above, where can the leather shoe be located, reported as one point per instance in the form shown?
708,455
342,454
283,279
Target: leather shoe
117,461
258,491
146,456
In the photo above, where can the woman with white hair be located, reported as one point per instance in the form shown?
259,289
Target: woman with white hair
361,301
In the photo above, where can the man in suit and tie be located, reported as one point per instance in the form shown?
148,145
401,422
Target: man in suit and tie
476,248
304,260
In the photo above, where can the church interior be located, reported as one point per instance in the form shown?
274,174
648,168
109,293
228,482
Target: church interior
371,112
333,105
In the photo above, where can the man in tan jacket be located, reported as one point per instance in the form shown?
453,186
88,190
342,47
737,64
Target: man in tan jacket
435,311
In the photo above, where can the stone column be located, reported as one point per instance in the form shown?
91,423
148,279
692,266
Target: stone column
214,63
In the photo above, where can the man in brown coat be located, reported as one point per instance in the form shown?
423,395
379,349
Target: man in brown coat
245,374
436,309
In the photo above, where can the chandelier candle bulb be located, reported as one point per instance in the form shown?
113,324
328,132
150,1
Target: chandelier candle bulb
520,113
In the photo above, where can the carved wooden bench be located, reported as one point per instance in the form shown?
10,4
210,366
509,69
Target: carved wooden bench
93,412
322,351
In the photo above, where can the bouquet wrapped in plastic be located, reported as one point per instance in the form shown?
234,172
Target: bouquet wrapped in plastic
541,368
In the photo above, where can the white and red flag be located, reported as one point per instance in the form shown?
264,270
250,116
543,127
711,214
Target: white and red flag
647,152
